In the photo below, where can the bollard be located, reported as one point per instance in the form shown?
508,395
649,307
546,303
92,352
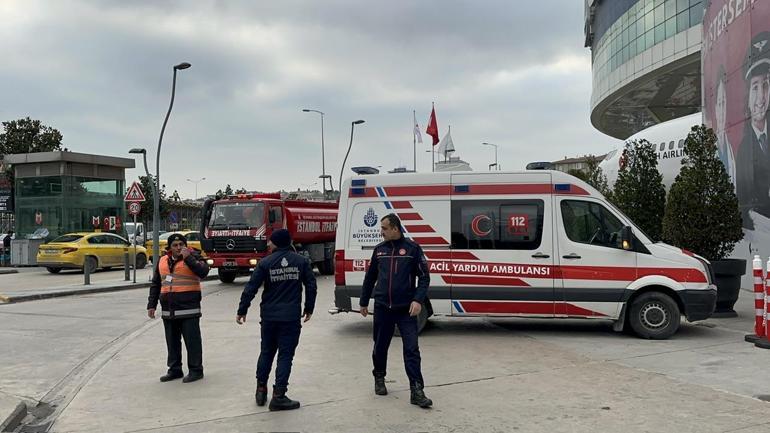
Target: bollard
759,303
764,343
127,266
86,273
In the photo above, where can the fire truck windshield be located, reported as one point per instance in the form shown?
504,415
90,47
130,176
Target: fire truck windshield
237,215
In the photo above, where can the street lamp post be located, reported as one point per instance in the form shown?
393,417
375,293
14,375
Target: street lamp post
156,198
496,165
196,186
352,127
323,175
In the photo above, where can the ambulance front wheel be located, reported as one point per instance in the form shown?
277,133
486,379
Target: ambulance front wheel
654,315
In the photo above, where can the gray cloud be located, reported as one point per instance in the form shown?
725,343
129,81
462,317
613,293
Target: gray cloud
512,73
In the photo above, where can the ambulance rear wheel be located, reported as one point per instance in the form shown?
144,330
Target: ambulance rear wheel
227,277
654,316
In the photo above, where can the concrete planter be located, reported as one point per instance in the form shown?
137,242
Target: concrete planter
728,273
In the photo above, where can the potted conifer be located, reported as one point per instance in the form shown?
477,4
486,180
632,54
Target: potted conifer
702,215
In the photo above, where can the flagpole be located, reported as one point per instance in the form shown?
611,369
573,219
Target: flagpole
414,139
433,145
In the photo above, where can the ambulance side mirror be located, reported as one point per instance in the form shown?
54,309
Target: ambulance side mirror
626,238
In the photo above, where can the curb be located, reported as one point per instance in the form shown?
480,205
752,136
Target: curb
8,271
86,291
14,418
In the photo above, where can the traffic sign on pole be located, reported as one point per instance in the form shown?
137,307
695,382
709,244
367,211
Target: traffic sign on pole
134,193
134,208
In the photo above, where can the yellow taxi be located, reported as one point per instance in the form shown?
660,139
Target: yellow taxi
95,250
193,241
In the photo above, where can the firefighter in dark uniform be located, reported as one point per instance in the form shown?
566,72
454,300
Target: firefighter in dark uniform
177,282
394,266
283,272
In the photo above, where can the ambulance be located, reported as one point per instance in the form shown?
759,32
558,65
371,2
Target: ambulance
534,244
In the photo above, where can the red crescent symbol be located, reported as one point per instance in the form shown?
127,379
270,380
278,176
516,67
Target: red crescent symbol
475,225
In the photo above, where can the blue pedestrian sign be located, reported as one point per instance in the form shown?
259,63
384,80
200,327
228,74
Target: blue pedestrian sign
173,217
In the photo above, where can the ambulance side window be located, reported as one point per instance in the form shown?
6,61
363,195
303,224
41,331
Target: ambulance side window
497,224
590,223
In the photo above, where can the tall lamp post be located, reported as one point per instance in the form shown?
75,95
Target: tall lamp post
323,175
196,181
352,127
156,196
496,165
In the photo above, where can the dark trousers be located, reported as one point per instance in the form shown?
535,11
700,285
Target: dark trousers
190,330
385,322
281,337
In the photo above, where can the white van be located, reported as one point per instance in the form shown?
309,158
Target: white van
135,231
528,244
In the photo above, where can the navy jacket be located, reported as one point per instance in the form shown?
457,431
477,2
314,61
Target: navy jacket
394,267
283,272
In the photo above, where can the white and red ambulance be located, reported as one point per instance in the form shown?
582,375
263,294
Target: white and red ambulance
528,244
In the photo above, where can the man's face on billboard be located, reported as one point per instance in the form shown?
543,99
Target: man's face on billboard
721,108
759,86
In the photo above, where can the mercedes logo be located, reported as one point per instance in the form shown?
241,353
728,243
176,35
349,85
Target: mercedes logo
230,244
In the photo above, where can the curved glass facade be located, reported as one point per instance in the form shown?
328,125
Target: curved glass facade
646,23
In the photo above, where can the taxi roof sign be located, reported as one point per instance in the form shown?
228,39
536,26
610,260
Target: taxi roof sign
134,193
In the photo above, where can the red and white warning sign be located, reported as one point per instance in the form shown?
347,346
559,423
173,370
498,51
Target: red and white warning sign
134,193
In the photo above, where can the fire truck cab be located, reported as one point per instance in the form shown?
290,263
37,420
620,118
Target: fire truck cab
235,231
530,244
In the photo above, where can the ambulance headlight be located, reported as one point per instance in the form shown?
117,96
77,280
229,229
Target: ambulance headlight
210,262
253,262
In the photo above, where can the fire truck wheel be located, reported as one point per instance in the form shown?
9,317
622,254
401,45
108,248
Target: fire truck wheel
654,315
227,277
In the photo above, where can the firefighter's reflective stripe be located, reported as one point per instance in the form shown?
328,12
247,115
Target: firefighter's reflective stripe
181,312
182,279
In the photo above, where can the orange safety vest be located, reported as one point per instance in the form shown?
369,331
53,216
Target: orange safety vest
182,279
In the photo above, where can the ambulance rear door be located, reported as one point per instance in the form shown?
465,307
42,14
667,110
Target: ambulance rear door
502,244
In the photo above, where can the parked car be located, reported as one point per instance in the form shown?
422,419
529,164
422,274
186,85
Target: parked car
193,241
95,250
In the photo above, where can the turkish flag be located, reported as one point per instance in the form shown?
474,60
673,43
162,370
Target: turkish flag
433,126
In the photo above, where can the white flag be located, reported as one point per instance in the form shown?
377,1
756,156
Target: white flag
446,146
417,133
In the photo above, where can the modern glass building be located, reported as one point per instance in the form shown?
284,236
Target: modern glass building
64,192
645,62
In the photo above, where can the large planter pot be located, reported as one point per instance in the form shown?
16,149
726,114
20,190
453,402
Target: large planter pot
728,273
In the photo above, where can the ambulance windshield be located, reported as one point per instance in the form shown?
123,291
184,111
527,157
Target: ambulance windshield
237,215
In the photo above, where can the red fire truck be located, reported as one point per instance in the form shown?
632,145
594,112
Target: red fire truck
235,231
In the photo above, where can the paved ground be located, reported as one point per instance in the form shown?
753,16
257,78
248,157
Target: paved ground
96,359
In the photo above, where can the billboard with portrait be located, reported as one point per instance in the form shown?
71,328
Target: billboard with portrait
736,98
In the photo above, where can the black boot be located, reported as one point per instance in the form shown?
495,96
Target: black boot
261,395
280,401
418,397
379,385
192,377
171,375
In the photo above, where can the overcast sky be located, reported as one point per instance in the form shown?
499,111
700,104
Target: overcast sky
512,73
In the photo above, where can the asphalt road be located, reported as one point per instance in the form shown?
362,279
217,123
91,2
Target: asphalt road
94,362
